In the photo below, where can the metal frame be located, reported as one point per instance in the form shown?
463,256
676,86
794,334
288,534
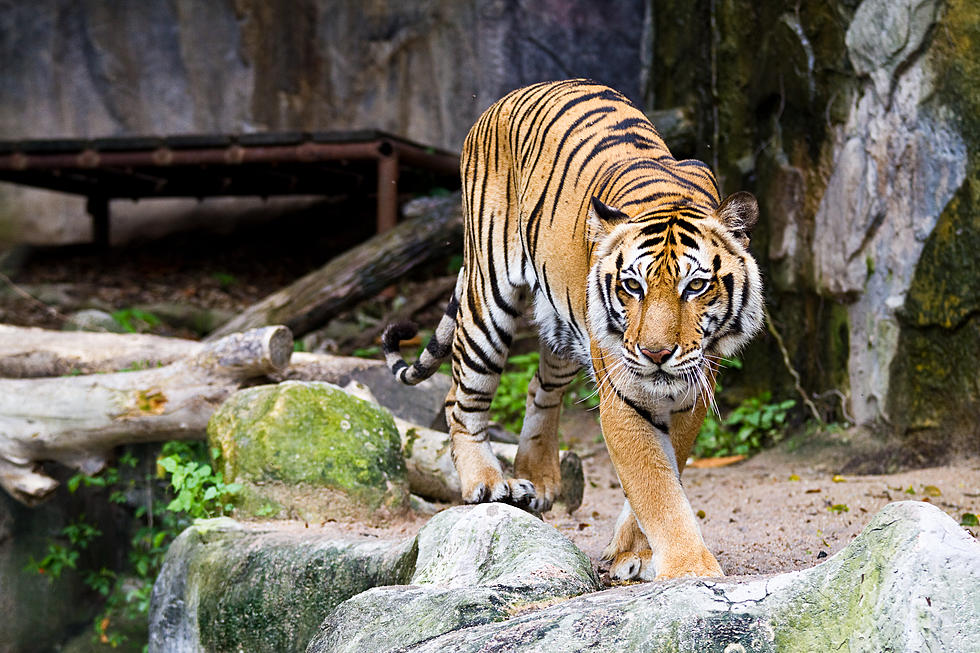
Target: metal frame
139,167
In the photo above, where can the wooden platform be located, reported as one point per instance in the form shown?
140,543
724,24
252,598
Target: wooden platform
260,164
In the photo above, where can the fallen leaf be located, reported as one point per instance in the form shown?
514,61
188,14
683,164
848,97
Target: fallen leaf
932,491
721,461
838,479
794,477
969,519
838,508
813,490
701,514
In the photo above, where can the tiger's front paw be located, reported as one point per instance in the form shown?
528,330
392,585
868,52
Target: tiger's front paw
517,491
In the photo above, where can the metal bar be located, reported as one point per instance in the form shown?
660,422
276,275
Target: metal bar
439,162
387,192
163,157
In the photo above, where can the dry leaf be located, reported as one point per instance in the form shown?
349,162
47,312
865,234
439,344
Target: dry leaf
722,461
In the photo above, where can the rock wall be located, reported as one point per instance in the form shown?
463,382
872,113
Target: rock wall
424,69
856,125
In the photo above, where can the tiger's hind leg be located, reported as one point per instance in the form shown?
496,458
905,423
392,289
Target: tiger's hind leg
481,344
537,452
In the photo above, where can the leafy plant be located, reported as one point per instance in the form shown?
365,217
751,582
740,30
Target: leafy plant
200,490
134,320
752,426
507,408
224,279
61,556
194,490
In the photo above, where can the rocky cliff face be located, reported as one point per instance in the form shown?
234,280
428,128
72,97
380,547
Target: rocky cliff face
856,125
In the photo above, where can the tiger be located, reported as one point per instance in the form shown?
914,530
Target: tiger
636,271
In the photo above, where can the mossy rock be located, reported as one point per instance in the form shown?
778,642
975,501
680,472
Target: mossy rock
309,451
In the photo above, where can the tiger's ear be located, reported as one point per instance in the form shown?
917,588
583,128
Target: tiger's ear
739,212
603,218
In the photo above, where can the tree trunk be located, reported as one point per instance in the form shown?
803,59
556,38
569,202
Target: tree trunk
77,420
435,229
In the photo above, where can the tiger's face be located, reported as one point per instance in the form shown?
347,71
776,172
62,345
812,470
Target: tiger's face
672,288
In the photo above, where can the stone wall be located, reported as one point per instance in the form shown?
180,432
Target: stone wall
856,125
424,69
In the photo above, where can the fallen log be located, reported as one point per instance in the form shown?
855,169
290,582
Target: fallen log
28,352
434,228
78,420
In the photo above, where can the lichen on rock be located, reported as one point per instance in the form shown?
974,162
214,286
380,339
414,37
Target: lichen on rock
309,451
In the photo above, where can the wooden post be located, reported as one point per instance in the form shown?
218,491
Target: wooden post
98,207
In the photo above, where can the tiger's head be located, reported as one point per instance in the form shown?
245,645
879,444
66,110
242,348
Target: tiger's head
672,287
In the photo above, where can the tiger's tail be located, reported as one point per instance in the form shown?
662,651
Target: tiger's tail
436,351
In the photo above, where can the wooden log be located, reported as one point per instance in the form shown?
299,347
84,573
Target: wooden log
434,229
78,420
27,352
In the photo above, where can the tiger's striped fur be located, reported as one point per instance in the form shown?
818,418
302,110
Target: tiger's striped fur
636,271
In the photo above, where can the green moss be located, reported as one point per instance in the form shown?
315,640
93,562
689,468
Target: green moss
935,387
287,442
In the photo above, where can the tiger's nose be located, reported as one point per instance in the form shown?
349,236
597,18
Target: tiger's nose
659,356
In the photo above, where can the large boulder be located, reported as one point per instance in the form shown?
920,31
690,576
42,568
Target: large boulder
229,586
857,125
309,451
909,582
476,565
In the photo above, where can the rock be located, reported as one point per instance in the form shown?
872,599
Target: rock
476,565
884,34
908,582
422,404
227,586
899,160
91,319
309,451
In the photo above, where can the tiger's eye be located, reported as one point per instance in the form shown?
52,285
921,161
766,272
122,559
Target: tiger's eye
633,285
696,285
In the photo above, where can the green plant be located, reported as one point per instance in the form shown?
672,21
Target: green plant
134,320
193,491
60,556
224,279
367,352
201,492
753,425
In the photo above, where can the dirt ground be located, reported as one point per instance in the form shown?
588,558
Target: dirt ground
758,518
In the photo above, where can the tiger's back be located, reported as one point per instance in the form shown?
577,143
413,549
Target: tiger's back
529,166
